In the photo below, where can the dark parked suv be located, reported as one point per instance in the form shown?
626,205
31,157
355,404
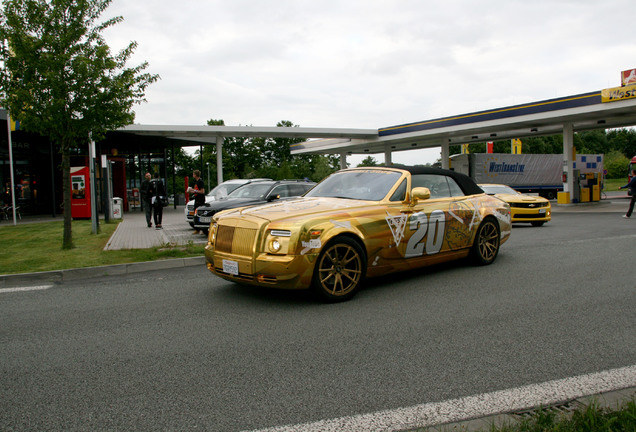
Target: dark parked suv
254,193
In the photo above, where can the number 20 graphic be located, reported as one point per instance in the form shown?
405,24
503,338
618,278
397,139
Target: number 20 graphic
421,224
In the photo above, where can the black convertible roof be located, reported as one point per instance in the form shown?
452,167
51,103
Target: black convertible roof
466,183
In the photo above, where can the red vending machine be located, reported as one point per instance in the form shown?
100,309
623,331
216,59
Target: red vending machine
80,193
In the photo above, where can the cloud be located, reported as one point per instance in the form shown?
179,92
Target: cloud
367,63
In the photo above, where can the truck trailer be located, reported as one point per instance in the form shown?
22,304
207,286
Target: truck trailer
526,173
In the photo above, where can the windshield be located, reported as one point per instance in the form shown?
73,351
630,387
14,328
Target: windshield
498,189
252,190
221,191
370,185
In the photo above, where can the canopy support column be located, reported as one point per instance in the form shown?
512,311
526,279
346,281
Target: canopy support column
219,159
568,159
445,154
387,156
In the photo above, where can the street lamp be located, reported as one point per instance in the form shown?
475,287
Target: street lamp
208,164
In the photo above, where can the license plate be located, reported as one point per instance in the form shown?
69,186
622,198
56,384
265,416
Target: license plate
205,219
230,267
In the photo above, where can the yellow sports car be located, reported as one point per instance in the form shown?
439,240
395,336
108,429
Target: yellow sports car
357,223
523,208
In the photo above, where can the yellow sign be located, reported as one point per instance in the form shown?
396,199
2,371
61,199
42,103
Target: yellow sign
516,145
618,93
465,149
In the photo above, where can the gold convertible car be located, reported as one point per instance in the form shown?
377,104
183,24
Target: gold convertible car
357,223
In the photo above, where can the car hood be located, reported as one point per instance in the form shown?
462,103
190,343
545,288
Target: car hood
520,198
223,204
208,200
299,208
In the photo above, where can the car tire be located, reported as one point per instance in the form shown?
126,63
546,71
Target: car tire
537,224
339,271
550,194
487,242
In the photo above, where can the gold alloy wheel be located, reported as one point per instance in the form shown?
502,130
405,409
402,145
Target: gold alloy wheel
339,270
487,243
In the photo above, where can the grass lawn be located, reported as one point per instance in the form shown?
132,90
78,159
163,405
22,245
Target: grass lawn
613,184
37,247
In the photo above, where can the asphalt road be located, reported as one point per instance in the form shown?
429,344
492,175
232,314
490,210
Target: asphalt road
177,350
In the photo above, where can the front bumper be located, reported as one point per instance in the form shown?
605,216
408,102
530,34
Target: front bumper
278,271
543,214
199,224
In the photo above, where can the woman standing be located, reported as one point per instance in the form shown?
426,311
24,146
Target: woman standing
157,200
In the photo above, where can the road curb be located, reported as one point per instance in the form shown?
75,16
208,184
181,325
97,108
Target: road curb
57,276
611,400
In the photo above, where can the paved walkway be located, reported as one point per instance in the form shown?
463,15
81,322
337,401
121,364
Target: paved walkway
133,233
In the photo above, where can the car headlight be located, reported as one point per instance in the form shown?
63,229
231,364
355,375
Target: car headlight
275,245
278,241
212,233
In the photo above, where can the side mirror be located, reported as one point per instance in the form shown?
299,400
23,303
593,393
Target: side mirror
420,193
273,198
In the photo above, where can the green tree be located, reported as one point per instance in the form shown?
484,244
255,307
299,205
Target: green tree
616,165
278,150
59,78
591,142
279,163
241,155
184,164
549,144
623,140
267,157
323,166
369,161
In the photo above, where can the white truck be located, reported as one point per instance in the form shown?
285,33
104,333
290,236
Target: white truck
527,173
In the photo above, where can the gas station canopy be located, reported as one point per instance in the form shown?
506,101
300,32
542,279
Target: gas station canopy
604,109
584,112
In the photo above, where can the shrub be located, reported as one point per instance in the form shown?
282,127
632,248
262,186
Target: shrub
616,165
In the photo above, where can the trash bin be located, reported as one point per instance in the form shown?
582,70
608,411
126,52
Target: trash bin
117,205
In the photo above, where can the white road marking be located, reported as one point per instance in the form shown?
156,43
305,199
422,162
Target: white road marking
477,406
31,288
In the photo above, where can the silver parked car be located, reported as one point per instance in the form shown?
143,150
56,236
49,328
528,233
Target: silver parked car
221,191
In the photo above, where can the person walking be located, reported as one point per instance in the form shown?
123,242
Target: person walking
632,188
198,191
146,198
157,200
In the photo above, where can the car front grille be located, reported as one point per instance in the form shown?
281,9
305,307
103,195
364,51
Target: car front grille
529,205
235,240
205,213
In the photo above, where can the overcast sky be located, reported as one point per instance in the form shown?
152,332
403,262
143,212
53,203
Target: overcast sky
368,63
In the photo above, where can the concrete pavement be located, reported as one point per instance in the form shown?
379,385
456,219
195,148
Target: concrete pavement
133,233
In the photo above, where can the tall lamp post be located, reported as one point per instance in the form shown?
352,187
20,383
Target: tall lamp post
208,189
